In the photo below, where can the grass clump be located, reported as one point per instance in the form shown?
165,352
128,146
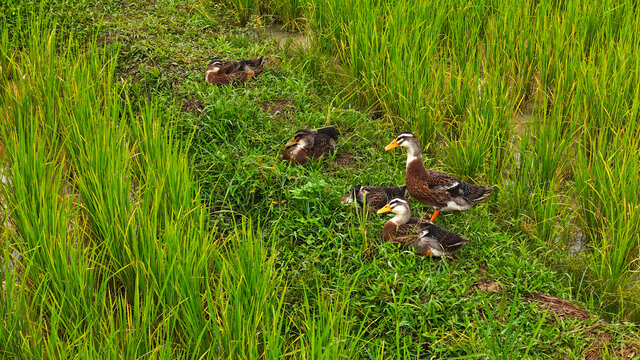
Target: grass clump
539,99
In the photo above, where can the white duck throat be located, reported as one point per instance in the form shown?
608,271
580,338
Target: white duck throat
402,213
413,149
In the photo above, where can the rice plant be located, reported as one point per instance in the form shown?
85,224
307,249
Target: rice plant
109,225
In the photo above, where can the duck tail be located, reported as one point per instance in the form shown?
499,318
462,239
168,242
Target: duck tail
482,193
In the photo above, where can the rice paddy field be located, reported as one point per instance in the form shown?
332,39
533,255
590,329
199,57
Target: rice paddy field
146,214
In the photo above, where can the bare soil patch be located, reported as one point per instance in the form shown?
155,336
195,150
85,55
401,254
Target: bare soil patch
489,287
629,351
281,109
348,161
192,106
600,342
561,308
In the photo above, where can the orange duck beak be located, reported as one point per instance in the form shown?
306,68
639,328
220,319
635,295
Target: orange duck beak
392,145
385,209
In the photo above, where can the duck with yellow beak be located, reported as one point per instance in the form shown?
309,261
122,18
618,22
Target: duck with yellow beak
427,238
436,189
311,144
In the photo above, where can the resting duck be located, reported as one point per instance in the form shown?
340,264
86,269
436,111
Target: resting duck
427,238
311,144
222,73
441,191
374,197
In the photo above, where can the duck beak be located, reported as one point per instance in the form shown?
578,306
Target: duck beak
292,142
393,144
385,209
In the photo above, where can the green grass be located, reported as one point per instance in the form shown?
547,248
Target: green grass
465,76
168,227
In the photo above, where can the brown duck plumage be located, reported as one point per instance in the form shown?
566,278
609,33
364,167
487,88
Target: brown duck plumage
311,144
425,237
222,73
374,197
441,191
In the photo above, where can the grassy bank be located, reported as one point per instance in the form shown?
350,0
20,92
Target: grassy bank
539,100
155,218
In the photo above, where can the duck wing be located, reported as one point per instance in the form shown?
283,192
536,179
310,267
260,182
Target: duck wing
440,181
449,240
231,67
409,234
322,145
470,192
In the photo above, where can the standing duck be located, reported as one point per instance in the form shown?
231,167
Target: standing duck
374,197
222,73
311,144
441,191
427,238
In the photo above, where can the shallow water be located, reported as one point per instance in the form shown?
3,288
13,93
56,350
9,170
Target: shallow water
284,38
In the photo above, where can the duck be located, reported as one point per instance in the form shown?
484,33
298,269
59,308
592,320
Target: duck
439,190
222,73
374,197
311,144
427,238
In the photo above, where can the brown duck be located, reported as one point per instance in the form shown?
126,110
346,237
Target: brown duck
222,73
427,238
311,144
374,197
441,191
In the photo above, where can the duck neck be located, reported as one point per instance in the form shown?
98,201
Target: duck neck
390,227
413,153
401,218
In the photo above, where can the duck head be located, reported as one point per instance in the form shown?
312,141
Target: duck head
400,207
248,71
303,138
408,141
214,66
352,196
357,194
252,67
254,63
404,139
